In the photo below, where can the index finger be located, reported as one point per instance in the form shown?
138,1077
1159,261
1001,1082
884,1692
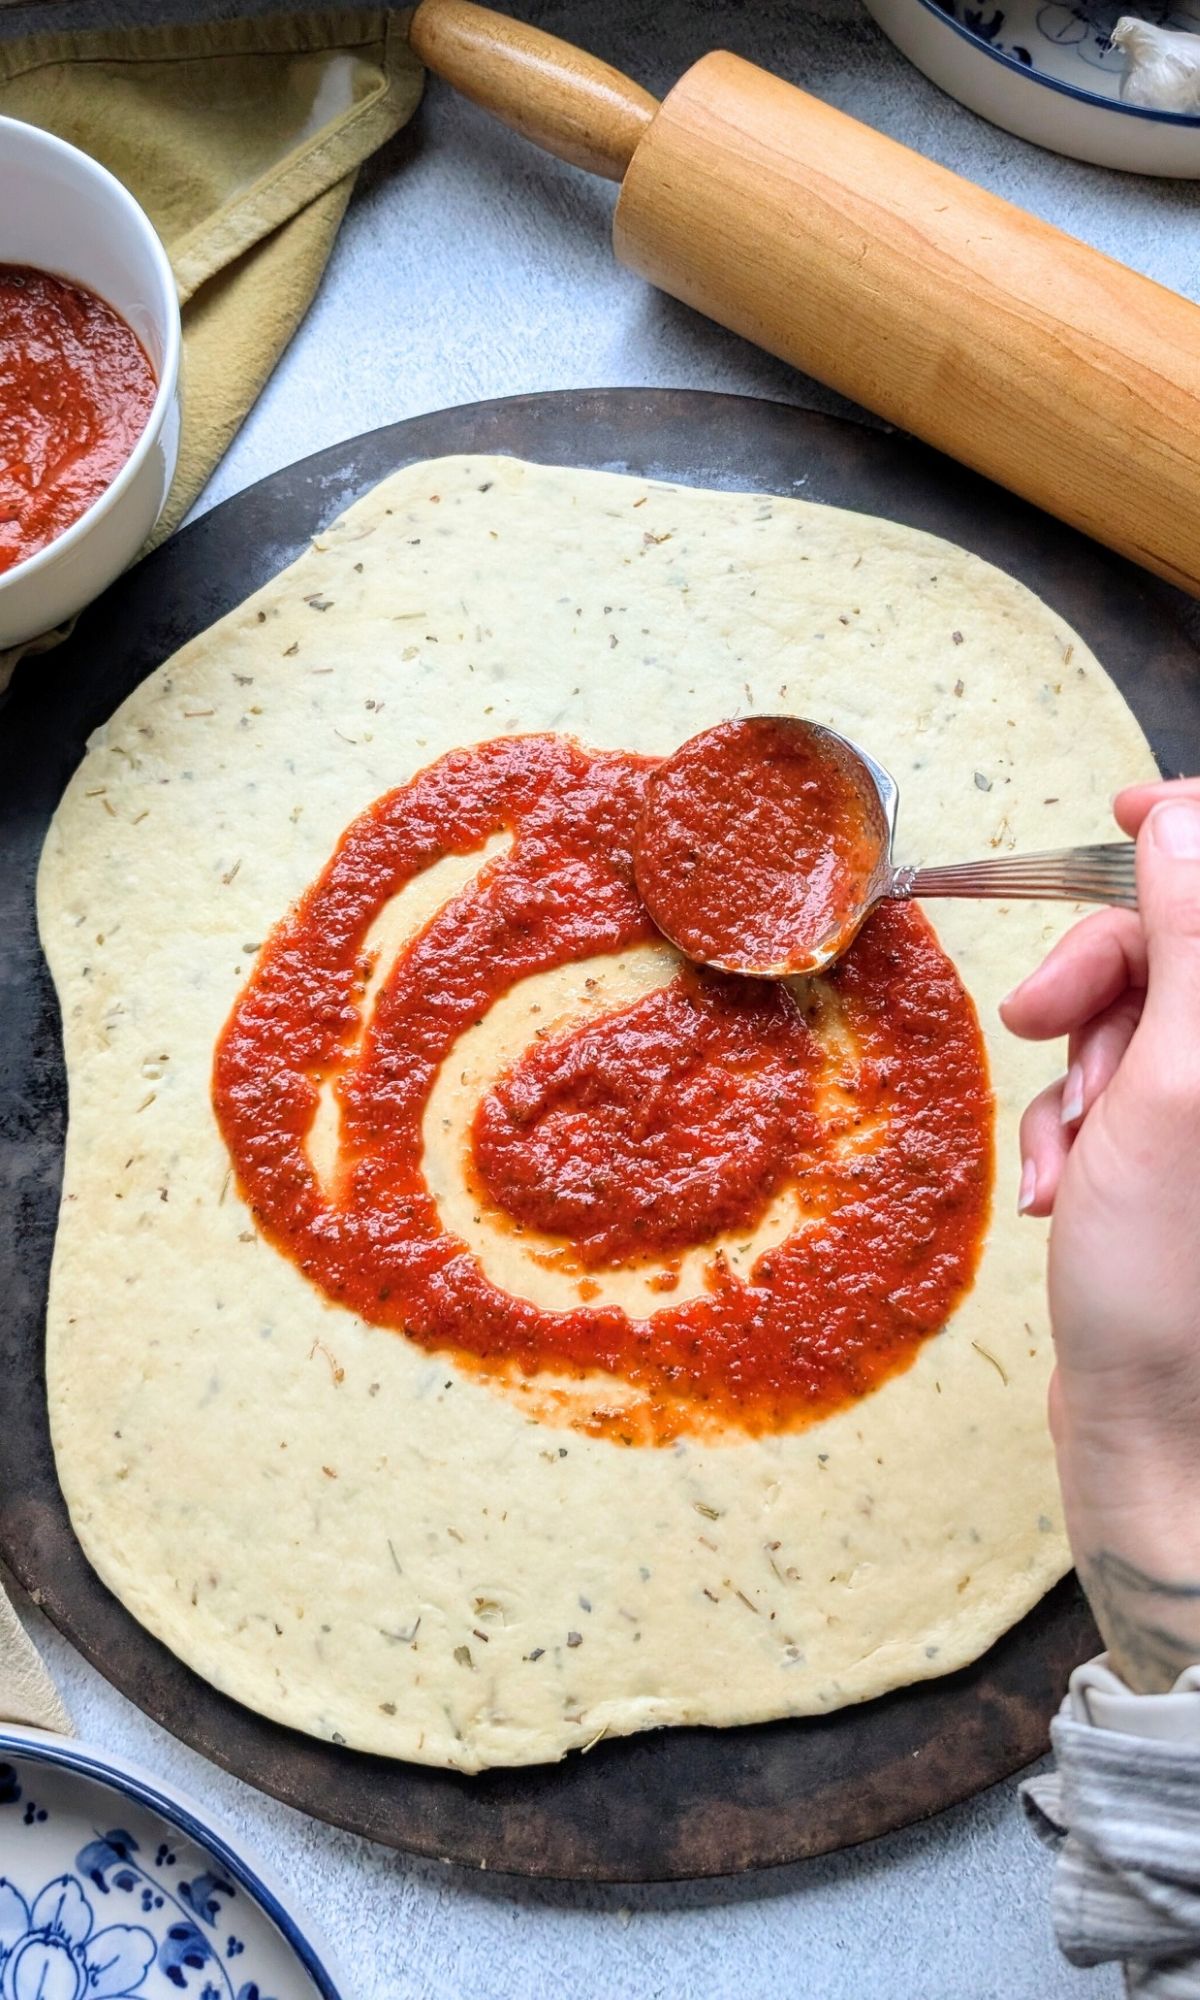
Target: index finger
1093,965
1131,806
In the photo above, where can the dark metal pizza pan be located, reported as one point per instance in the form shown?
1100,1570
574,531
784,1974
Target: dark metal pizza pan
675,1803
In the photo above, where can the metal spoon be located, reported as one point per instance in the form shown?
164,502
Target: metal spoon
1097,874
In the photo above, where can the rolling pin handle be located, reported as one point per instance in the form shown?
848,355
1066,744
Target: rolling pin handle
564,100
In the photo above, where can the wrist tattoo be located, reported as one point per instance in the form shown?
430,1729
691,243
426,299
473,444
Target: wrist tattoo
1150,1625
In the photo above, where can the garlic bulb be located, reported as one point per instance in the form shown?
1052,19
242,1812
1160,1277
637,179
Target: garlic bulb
1162,66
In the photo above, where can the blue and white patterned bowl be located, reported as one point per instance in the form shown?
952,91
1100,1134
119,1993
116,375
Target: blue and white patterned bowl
113,1886
1045,69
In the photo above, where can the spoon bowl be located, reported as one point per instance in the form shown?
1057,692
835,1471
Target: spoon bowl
765,843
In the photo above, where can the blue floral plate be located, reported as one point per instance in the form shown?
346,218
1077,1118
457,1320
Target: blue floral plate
115,1887
1047,70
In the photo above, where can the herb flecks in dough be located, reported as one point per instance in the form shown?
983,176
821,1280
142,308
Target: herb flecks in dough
187,1473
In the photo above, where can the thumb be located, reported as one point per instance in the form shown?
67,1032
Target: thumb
1168,875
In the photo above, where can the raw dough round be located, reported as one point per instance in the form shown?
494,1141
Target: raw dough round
332,1525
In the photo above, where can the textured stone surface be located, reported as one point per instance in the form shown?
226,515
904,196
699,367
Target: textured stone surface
468,267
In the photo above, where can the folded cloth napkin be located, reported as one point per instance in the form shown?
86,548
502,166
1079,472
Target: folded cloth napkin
1122,1814
27,1693
241,140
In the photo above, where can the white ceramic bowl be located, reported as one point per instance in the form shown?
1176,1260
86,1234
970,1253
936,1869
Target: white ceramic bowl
1045,70
66,214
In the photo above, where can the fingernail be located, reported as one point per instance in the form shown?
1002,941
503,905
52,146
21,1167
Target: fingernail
1072,1097
1028,1193
1175,829
1012,996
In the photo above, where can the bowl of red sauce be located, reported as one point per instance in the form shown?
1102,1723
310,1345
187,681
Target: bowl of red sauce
89,379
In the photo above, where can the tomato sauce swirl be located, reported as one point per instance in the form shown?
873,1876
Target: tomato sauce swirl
624,1140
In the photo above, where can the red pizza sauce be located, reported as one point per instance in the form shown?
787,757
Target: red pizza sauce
76,390
758,842
627,1140
657,1127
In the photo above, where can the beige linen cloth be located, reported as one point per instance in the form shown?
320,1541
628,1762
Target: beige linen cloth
242,141
27,1693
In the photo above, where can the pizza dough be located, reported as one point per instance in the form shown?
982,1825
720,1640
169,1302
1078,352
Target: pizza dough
355,1536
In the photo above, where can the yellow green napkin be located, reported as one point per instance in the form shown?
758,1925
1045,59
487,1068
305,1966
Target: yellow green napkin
241,139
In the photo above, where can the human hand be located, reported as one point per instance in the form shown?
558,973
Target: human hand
1112,1154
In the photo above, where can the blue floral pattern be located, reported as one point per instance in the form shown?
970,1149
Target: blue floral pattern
110,1862
56,1945
50,1949
1081,27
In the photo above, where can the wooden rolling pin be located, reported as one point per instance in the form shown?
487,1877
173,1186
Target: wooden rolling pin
1011,346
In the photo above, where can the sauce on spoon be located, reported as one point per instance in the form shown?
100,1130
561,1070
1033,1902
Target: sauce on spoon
758,845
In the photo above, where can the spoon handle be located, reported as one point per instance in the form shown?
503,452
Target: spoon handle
1102,874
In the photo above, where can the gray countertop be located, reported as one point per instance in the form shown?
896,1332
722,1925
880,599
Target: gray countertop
470,267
